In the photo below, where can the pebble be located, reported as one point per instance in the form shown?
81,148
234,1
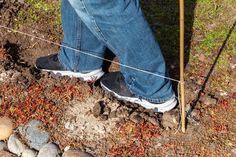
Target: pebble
112,114
207,100
70,125
153,120
15,145
134,117
29,153
103,117
212,147
3,146
6,154
97,109
76,153
35,135
233,151
107,110
49,150
158,145
202,57
6,127
170,119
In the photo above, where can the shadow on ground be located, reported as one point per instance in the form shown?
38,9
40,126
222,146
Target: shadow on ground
163,16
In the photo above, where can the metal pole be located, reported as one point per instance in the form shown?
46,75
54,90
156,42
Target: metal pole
182,64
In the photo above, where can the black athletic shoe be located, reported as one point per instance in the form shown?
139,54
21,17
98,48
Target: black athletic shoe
114,83
51,64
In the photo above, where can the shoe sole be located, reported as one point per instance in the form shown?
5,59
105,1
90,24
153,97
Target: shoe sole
161,108
90,76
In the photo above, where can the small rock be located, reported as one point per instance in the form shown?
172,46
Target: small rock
49,150
202,58
134,117
144,116
123,112
196,114
76,153
158,145
171,119
3,146
207,100
103,117
107,110
15,145
29,153
112,114
6,127
35,135
233,151
6,154
153,120
233,59
212,147
70,125
66,148
97,109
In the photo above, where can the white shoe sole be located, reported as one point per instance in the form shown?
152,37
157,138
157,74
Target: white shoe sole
90,76
161,108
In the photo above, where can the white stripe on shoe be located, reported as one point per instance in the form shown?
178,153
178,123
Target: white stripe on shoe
162,107
90,76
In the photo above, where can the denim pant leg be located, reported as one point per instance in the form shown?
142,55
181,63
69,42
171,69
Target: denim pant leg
123,28
78,36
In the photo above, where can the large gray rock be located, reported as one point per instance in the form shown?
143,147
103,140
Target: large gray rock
29,153
49,150
76,153
35,135
15,145
3,146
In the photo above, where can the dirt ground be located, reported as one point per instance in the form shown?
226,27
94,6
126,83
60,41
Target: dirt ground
81,115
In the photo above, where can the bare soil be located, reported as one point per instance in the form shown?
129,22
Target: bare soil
81,115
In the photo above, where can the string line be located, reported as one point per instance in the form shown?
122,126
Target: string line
89,54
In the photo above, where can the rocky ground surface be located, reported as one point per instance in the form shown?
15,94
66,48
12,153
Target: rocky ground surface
45,115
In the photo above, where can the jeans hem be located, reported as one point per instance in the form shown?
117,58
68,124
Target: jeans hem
75,70
157,100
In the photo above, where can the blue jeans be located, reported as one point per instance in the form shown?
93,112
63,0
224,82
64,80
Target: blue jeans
91,26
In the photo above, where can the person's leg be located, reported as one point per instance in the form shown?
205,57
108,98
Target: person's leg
123,28
79,37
